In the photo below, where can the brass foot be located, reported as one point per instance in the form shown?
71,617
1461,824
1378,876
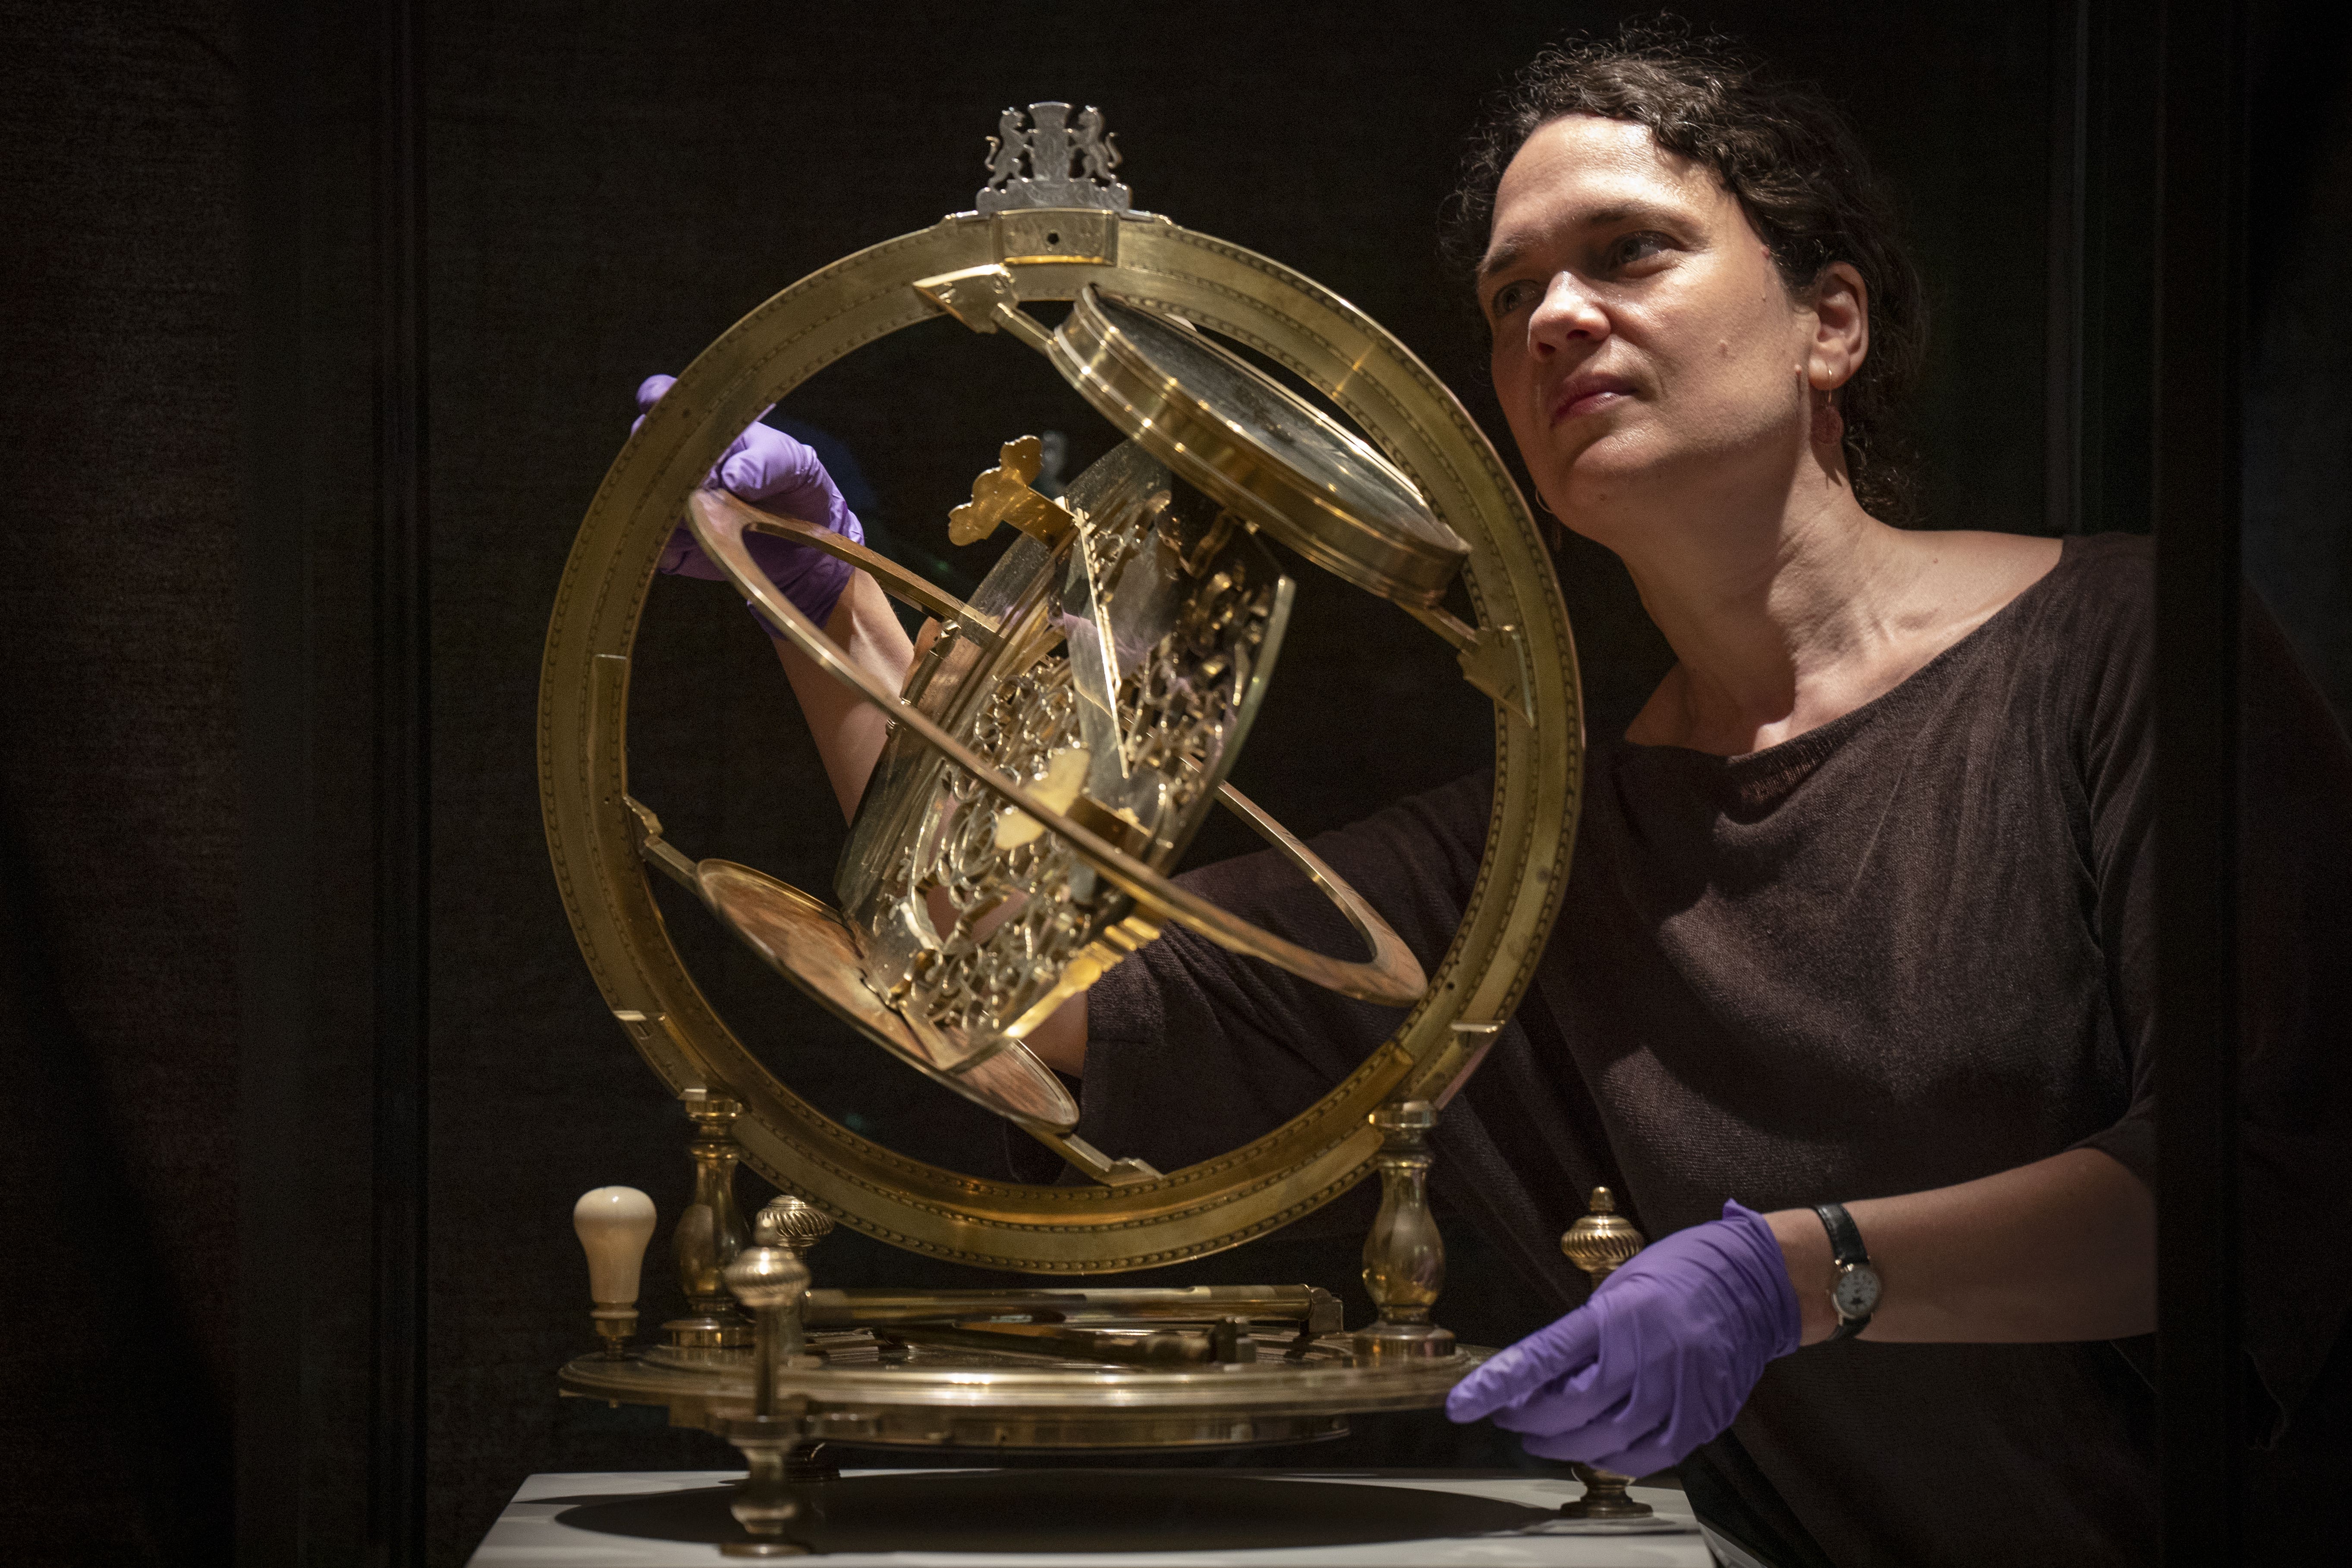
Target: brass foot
1604,1497
1384,1343
768,1501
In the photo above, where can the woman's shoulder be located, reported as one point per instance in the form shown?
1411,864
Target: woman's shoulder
2085,642
2093,608
2106,576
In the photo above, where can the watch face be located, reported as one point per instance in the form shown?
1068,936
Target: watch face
1855,1295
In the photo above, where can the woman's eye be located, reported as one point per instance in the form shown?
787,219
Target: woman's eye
1637,247
1511,297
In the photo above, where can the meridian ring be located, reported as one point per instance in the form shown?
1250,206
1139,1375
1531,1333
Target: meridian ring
583,752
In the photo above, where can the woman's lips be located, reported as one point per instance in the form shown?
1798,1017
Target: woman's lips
1587,395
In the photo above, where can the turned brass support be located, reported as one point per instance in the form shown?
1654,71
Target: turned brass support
711,1231
1404,1256
1598,1243
772,1280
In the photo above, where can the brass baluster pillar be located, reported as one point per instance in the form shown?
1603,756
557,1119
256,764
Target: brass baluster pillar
710,1232
1404,1256
1598,1243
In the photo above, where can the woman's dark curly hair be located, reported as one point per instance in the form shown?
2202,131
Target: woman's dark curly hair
1796,167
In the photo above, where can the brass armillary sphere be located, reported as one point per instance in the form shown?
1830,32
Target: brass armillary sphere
1085,804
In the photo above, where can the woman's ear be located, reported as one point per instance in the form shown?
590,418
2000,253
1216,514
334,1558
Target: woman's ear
1840,307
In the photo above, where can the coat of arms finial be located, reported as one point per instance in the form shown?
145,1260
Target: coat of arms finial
1050,163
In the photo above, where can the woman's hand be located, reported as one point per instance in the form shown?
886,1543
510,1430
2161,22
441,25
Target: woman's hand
1658,1362
769,470
1665,1353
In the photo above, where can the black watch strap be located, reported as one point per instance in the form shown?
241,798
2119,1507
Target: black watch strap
1845,1236
1847,1252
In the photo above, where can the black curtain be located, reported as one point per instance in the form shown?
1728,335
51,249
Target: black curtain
201,227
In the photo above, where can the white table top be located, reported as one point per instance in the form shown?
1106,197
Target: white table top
531,1534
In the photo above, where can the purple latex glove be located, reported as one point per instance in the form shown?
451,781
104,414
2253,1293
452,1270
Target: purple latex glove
769,470
1658,1362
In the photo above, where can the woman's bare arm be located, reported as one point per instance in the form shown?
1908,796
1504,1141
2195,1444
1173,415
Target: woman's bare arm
849,731
1060,1042
2064,1248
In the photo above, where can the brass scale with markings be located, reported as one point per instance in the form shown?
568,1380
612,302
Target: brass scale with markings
1053,751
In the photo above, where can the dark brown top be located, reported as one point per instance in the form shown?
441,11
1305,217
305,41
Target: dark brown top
1910,948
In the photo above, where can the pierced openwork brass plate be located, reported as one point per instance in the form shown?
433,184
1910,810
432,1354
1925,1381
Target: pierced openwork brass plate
1433,488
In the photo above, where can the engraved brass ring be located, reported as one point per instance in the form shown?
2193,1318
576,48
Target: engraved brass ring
1392,975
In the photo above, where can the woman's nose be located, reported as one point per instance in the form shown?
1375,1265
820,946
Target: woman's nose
1567,313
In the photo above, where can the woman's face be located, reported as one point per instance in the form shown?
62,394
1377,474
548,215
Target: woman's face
1646,353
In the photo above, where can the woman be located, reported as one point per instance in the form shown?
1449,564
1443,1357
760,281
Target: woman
1860,911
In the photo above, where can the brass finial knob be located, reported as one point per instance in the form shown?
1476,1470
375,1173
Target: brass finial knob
767,1275
797,1224
1604,1240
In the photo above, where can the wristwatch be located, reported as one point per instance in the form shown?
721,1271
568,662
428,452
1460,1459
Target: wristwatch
1855,1292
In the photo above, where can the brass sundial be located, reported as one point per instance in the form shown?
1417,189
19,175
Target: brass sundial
1054,749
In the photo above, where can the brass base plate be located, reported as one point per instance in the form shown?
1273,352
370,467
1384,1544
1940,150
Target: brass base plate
941,1397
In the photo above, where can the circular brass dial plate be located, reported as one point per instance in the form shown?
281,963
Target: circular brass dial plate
964,1399
1250,442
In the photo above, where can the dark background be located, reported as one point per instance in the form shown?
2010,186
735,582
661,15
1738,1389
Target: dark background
193,1002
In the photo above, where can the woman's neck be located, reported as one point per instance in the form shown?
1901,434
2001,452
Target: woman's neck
1803,609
